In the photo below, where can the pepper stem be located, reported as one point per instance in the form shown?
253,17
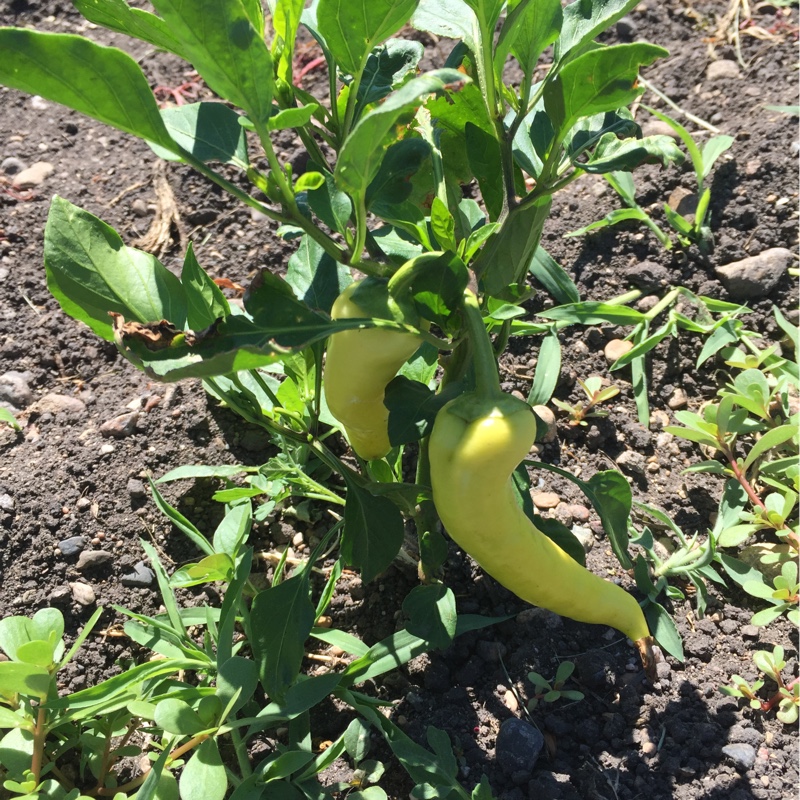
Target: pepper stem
487,379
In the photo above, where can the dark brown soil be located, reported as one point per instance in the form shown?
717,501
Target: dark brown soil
65,478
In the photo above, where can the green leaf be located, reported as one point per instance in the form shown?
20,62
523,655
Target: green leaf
591,312
11,719
723,335
205,303
483,155
17,677
373,530
208,131
453,19
443,225
664,629
386,68
612,218
316,278
712,150
226,50
766,615
101,82
7,417
330,204
548,369
181,522
204,774
286,16
234,529
432,614
281,620
625,155
352,30
292,117
528,29
177,716
558,532
36,652
771,440
583,21
599,80
240,675
363,150
117,15
16,751
507,256
413,408
391,186
91,273
553,277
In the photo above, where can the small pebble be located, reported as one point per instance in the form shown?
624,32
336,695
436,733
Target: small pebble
579,513
510,701
518,745
121,426
627,29
34,175
14,388
547,416
298,540
12,166
649,749
563,513
655,127
722,70
616,348
6,503
545,499
755,276
107,449
38,103
139,208
83,504
140,576
90,559
632,461
742,755
659,419
56,403
678,399
584,536
83,594
72,546
136,488
750,632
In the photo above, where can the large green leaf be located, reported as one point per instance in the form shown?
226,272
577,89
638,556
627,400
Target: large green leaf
220,40
205,303
373,530
584,20
613,154
386,67
118,16
101,82
507,255
529,28
281,620
600,80
351,29
209,131
91,273
315,277
204,774
453,19
432,614
362,152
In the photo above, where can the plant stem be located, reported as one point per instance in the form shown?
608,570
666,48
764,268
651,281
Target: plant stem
39,735
361,230
241,753
487,379
663,303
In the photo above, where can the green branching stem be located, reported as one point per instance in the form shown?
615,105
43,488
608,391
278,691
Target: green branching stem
665,302
426,518
361,230
241,753
350,109
487,379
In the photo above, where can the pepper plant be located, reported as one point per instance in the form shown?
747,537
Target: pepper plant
389,154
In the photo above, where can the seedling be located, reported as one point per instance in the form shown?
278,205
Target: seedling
596,393
787,695
547,692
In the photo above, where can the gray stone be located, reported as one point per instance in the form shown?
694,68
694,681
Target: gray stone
14,388
34,175
12,165
751,632
649,276
82,593
72,546
139,207
755,276
56,403
632,461
6,502
742,755
744,734
584,536
121,426
59,594
519,746
627,29
91,559
546,416
136,488
140,576
655,127
722,70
